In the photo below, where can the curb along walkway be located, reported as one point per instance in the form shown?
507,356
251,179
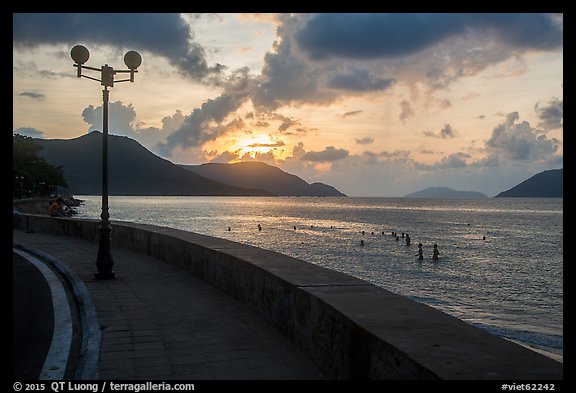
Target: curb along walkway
162,323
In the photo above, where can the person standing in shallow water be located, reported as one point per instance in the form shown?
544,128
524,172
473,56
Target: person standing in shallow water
420,255
435,253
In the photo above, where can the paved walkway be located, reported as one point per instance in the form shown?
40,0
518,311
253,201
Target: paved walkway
160,322
31,331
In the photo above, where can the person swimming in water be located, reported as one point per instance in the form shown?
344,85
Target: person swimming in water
420,255
435,253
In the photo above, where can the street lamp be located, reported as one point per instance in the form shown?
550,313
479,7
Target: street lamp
20,180
132,59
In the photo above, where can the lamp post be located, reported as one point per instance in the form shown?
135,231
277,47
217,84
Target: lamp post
132,59
20,180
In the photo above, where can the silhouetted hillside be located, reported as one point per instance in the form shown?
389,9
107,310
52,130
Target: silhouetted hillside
133,170
445,192
262,176
547,184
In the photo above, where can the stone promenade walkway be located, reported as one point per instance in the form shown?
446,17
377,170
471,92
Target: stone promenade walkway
162,323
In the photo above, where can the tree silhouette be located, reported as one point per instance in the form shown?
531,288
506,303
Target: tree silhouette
32,175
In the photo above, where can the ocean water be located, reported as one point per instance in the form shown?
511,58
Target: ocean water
510,283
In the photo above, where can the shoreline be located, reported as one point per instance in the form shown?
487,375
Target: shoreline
39,205
552,355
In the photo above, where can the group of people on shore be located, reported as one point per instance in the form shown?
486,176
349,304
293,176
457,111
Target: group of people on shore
63,206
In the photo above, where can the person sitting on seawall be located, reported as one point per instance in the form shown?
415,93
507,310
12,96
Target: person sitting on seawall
56,209
435,253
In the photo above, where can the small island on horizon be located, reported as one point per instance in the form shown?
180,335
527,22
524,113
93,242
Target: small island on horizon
546,184
444,192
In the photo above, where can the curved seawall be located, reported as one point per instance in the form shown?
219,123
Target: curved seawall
350,328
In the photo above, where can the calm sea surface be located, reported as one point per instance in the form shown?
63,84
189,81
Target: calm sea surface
510,284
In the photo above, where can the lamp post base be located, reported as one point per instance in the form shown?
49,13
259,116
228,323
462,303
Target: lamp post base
104,261
104,276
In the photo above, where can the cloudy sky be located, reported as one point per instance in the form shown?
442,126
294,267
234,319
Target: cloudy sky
373,104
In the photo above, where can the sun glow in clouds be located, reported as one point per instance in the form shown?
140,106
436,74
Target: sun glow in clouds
246,146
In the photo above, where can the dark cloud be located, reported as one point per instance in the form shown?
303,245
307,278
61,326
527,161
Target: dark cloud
298,150
407,111
263,120
419,50
402,154
171,123
359,80
330,153
275,144
287,122
511,118
267,157
163,34
455,160
446,132
28,131
207,122
226,157
369,36
351,113
512,141
365,141
199,127
317,58
287,79
30,94
552,115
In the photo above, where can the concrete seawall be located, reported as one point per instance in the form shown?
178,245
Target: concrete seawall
350,328
32,205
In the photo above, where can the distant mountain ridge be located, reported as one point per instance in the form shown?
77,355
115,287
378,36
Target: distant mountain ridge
133,170
444,192
546,184
262,176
